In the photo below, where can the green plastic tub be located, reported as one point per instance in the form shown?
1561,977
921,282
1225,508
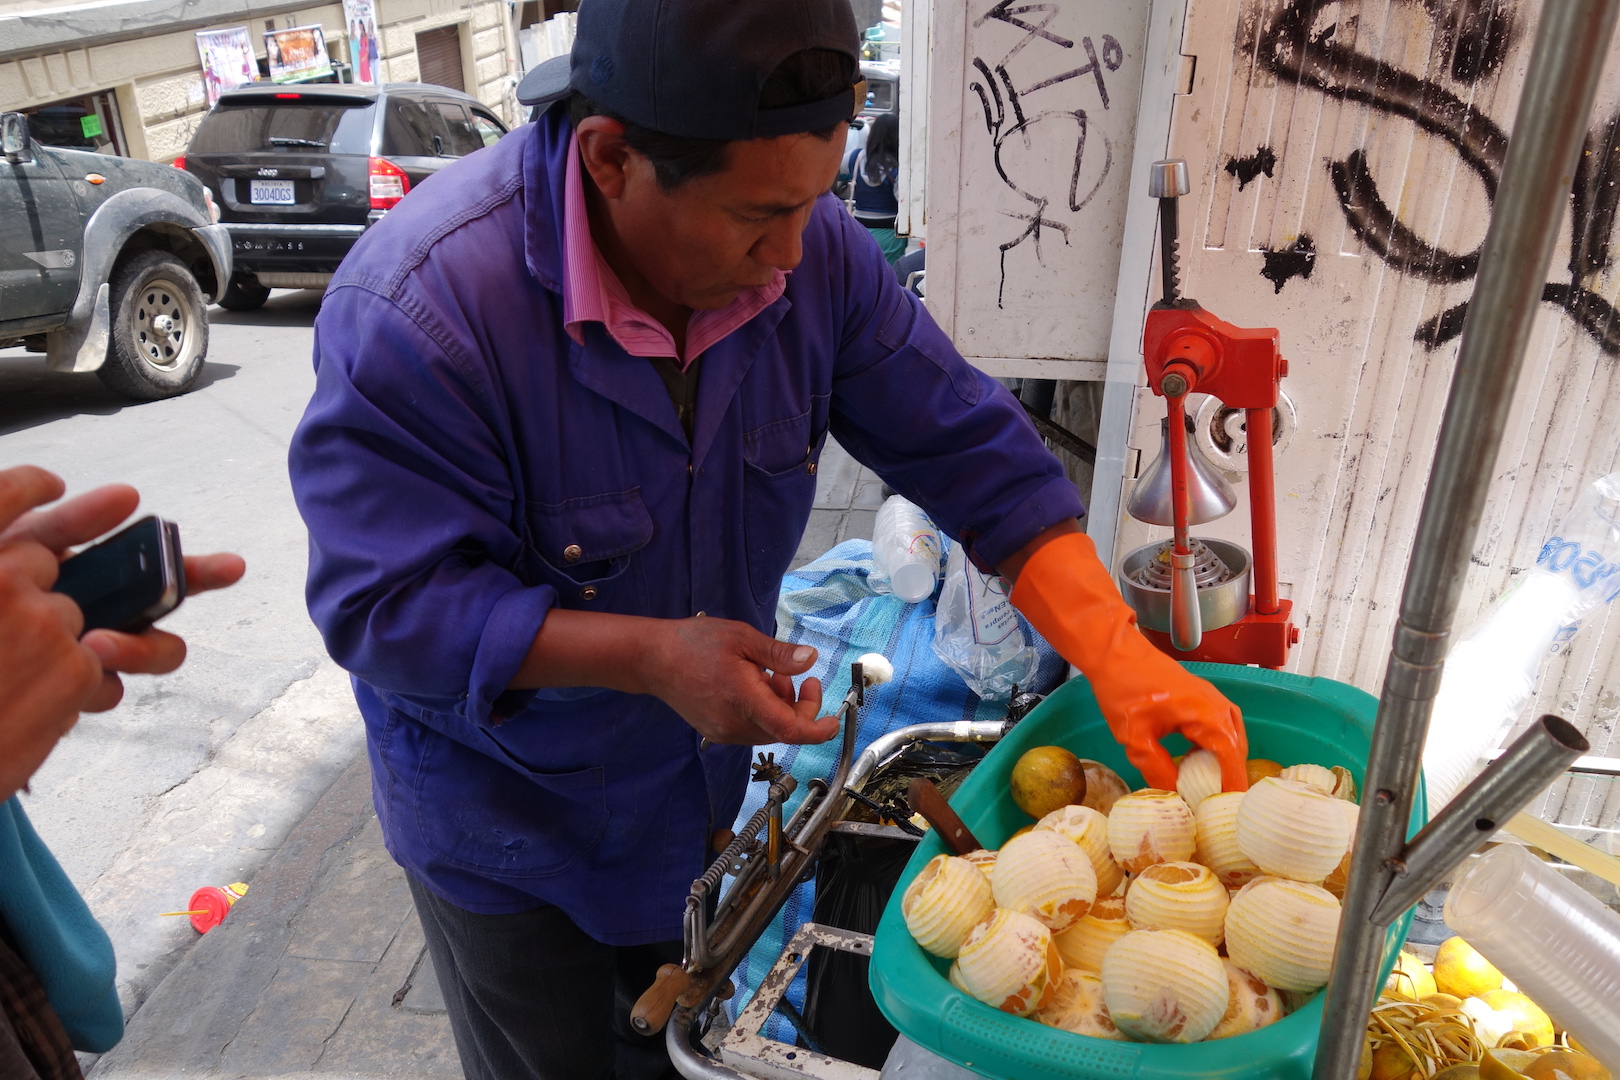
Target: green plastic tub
1291,719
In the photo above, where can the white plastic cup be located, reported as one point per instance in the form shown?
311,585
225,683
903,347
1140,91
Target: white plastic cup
1558,943
905,546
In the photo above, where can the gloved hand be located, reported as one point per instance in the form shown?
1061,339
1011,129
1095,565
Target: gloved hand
1066,594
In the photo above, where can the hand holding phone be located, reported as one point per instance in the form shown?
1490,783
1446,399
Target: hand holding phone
128,581
47,678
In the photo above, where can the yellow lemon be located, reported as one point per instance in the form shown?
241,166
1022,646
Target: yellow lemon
1443,1001
1410,978
1504,1064
1461,971
1558,1064
1046,778
1527,1015
1390,1062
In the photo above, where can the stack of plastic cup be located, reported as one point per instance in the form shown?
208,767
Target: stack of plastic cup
1556,941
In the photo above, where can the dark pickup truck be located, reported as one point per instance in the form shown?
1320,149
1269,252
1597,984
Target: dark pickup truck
107,264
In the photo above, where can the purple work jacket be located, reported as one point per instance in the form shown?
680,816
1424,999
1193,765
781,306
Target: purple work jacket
464,466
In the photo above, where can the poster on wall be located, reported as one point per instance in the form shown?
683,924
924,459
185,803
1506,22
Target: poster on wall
227,60
297,54
365,50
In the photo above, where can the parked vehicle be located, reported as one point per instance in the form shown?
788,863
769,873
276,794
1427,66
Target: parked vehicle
301,172
107,264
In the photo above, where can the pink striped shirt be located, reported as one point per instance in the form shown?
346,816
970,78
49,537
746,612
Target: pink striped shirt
592,292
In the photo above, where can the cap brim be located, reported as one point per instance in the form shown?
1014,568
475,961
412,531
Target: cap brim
545,82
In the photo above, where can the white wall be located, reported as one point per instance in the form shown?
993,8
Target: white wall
1274,146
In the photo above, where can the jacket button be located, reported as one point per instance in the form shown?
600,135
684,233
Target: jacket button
811,468
588,593
572,552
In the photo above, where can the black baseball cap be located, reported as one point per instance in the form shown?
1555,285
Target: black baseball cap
694,68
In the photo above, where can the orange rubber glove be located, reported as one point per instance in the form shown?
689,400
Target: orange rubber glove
1066,594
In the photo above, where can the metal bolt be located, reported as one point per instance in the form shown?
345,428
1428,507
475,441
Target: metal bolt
1174,384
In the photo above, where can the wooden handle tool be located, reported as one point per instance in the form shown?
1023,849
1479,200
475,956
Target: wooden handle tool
926,800
654,1006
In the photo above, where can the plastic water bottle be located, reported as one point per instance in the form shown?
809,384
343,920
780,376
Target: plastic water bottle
906,547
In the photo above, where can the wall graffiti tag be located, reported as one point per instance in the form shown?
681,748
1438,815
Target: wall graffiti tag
1300,45
1005,118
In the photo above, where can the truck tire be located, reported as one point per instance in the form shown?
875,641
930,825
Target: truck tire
159,328
244,293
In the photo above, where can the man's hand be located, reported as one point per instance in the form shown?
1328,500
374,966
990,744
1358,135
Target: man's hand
47,674
729,681
1068,596
710,672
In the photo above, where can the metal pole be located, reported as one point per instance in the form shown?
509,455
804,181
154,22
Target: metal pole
1536,759
1571,43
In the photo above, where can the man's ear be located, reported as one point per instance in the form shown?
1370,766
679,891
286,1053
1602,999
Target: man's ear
605,153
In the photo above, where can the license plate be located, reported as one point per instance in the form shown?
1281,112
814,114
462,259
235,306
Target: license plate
279,192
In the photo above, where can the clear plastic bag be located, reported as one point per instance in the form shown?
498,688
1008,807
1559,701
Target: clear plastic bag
978,633
1491,674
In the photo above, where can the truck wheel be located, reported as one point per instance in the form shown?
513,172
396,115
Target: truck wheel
244,293
159,328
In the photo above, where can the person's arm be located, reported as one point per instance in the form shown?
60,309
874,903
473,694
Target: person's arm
400,471
48,674
1010,567
729,681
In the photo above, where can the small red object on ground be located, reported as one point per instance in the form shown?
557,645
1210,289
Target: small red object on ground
212,903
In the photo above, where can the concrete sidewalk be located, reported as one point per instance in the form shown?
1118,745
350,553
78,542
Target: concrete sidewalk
319,970
322,969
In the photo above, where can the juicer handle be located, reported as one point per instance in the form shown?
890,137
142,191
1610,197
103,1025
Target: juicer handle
1186,621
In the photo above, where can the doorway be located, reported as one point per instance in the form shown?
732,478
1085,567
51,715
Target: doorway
438,57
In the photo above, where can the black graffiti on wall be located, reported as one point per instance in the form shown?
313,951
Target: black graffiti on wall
1473,38
1005,118
1263,162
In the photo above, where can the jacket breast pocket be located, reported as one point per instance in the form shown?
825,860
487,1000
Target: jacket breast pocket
780,461
587,548
522,822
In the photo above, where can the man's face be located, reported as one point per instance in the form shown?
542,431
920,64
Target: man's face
702,243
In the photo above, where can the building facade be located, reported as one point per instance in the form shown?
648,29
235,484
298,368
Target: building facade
127,78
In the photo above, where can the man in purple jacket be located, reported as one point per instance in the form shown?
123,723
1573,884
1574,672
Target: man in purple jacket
570,403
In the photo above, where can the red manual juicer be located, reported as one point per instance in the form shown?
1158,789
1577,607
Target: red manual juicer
1192,594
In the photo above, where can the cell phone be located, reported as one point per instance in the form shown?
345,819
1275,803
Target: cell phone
128,581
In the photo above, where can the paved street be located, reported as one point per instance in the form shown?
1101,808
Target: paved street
198,777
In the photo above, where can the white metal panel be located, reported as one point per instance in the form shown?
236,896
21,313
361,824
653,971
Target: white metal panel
1031,125
911,186
1344,157
1165,76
